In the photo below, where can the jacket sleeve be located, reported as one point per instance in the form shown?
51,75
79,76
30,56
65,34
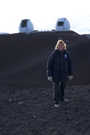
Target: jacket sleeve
50,65
69,65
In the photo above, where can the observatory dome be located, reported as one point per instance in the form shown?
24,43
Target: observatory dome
62,24
26,26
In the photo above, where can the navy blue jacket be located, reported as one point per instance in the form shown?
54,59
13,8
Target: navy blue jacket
59,65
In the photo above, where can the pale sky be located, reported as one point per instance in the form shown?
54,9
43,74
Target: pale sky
44,14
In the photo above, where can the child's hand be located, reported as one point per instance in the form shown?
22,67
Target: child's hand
50,78
70,77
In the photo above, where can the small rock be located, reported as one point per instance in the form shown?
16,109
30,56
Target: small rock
34,116
21,102
10,99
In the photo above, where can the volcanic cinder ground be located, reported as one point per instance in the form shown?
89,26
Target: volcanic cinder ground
26,97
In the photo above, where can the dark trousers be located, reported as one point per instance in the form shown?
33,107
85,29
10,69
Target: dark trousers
59,91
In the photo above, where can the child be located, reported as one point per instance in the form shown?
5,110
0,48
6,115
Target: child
59,70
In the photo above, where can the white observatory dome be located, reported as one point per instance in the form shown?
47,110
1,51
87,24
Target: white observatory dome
26,26
62,24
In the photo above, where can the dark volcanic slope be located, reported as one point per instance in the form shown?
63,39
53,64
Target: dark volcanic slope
23,57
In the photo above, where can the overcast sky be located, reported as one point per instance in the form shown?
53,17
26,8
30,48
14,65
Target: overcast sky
44,14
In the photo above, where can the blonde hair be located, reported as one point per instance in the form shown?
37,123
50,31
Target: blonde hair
60,42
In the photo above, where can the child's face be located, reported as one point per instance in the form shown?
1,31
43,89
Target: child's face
61,47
